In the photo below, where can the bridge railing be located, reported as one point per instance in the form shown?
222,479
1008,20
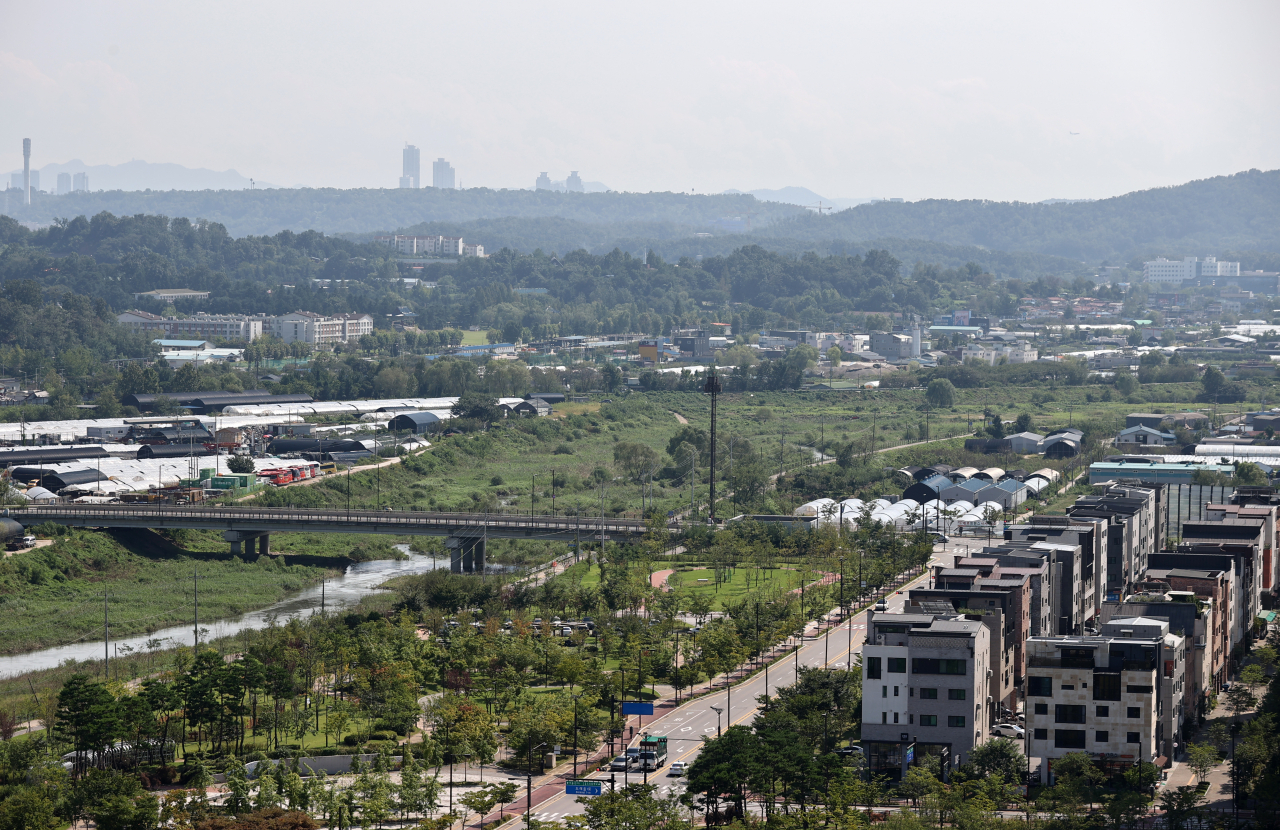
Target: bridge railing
217,515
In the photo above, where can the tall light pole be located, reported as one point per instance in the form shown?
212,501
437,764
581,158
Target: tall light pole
533,494
575,735
718,712
713,388
528,788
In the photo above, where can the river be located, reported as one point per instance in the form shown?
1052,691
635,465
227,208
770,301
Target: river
359,579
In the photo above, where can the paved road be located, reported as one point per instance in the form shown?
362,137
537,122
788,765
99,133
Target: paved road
687,726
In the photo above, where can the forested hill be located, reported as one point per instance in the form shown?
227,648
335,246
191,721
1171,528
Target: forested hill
366,210
1199,218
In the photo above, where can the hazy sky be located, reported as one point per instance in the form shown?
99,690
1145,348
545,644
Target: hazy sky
915,100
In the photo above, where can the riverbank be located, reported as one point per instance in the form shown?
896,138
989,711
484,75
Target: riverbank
54,595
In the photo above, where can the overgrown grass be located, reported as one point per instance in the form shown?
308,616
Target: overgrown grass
53,595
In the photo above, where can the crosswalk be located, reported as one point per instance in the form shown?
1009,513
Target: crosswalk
662,791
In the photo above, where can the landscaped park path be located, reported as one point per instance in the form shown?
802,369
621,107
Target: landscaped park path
659,579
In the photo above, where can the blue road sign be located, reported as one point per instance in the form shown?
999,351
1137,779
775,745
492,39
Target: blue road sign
634,707
583,787
911,753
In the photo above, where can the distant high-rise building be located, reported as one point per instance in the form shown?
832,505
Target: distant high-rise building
543,182
80,182
411,174
442,175
1161,270
35,183
64,184
574,182
26,171
15,181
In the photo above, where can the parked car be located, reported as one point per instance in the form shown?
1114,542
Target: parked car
678,768
1008,730
850,750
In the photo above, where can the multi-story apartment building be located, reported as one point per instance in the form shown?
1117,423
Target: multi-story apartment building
1116,696
431,245
1190,617
1135,529
1003,609
993,353
1169,272
924,688
236,327
317,329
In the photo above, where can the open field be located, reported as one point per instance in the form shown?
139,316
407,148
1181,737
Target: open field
741,581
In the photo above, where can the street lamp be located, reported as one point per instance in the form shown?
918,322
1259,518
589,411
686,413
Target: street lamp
644,737
575,734
533,495
528,788
718,712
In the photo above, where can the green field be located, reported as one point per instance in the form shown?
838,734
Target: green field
742,580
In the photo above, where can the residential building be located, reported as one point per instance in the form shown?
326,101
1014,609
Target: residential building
80,182
891,345
994,353
431,245
925,681
317,329
799,337
1075,566
1212,591
411,167
573,184
64,184
1164,271
1135,529
694,342
1116,696
543,182
442,175
1145,436
1004,611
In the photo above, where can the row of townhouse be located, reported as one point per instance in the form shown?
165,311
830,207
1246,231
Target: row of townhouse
1113,638
305,326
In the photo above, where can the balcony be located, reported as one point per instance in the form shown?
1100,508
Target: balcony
1060,662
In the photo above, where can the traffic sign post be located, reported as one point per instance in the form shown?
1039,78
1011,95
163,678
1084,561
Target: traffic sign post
583,787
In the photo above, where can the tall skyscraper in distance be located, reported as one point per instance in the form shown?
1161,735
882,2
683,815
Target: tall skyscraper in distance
26,171
574,183
80,183
543,182
411,171
64,184
35,183
442,174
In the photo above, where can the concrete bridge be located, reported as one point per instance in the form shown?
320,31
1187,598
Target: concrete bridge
465,533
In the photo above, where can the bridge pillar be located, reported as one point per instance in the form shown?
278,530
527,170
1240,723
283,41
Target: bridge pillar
236,538
264,544
466,554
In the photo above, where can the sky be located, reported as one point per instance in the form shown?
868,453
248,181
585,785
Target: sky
990,100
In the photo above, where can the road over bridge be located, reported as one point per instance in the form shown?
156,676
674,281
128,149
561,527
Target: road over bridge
465,533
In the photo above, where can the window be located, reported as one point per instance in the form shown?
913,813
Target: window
897,665
1134,738
1100,737
928,720
1068,738
873,668
928,694
1070,686
895,717
884,717
1042,734
955,694
956,721
1042,708
1138,690
1063,713
928,665
895,691
1106,687
884,691
1103,711
1135,712
1038,686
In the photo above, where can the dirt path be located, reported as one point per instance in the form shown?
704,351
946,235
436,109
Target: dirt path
680,417
39,544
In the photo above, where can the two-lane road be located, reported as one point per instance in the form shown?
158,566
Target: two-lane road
687,726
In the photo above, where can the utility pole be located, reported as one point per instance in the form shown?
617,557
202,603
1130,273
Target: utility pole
106,640
196,597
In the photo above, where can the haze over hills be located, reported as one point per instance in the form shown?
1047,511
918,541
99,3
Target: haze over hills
801,196
1204,217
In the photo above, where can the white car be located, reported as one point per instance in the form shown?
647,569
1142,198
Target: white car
1008,730
678,768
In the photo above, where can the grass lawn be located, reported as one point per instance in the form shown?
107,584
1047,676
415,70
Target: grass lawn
743,580
474,338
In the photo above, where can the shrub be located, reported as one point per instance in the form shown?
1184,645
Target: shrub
564,449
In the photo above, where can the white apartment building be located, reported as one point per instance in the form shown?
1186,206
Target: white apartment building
317,329
1116,696
993,353
1170,272
431,245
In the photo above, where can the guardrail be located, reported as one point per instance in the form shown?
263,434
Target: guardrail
106,514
